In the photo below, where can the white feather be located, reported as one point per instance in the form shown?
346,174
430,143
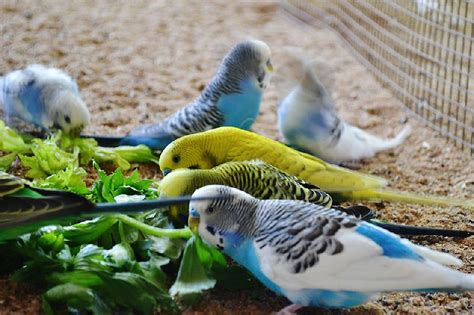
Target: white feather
434,255
2,94
360,267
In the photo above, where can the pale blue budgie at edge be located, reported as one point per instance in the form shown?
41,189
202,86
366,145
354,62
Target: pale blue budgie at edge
232,98
316,256
309,122
40,99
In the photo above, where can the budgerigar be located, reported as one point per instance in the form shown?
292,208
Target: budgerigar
257,178
24,209
211,148
38,99
316,256
308,121
232,98
264,181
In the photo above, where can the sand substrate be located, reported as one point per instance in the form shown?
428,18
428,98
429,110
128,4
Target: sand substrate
139,61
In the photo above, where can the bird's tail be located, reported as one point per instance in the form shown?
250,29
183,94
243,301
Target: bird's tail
385,194
410,230
154,142
105,141
379,144
467,283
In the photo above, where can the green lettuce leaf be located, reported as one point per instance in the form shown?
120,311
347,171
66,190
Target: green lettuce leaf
10,141
48,158
192,277
70,179
6,161
110,186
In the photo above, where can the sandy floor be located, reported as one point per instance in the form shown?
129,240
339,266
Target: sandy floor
139,62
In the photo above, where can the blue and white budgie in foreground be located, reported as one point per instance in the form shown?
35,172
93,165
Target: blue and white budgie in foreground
317,256
40,99
232,98
309,122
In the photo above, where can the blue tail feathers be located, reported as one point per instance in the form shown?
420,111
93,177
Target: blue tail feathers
155,143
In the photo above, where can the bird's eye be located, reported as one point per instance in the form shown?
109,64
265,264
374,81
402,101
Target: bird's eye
67,119
210,210
176,158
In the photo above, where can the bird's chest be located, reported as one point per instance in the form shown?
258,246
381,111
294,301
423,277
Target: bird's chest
241,109
246,256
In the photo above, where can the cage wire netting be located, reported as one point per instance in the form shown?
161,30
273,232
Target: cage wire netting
421,49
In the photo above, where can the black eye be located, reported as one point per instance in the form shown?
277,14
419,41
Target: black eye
67,119
176,158
210,210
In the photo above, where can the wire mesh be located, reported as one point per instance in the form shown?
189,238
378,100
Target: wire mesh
421,49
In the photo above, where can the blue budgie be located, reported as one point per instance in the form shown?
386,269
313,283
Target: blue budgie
232,98
317,256
39,99
308,121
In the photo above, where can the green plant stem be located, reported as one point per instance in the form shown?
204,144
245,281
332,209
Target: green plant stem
150,230
121,232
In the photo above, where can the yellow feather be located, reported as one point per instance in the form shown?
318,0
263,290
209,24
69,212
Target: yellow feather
210,148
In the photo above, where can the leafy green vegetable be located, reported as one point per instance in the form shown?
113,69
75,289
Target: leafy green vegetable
86,147
192,276
89,231
110,186
121,156
95,279
111,263
6,161
48,158
140,153
208,255
70,179
10,141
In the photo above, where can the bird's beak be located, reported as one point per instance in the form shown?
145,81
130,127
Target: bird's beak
270,67
193,220
166,171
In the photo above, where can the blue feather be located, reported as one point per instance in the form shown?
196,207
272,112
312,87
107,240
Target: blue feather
328,298
241,109
32,100
391,244
158,143
245,255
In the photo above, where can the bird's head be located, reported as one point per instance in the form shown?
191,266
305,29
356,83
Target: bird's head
193,151
224,220
249,59
70,113
182,182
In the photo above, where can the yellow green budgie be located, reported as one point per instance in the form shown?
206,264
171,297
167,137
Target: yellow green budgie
214,147
257,178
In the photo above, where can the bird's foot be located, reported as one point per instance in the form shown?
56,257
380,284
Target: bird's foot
289,310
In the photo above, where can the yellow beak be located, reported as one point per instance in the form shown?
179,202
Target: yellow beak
269,67
193,224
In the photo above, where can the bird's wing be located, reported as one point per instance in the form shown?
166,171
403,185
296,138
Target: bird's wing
13,83
312,247
21,209
10,184
20,204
